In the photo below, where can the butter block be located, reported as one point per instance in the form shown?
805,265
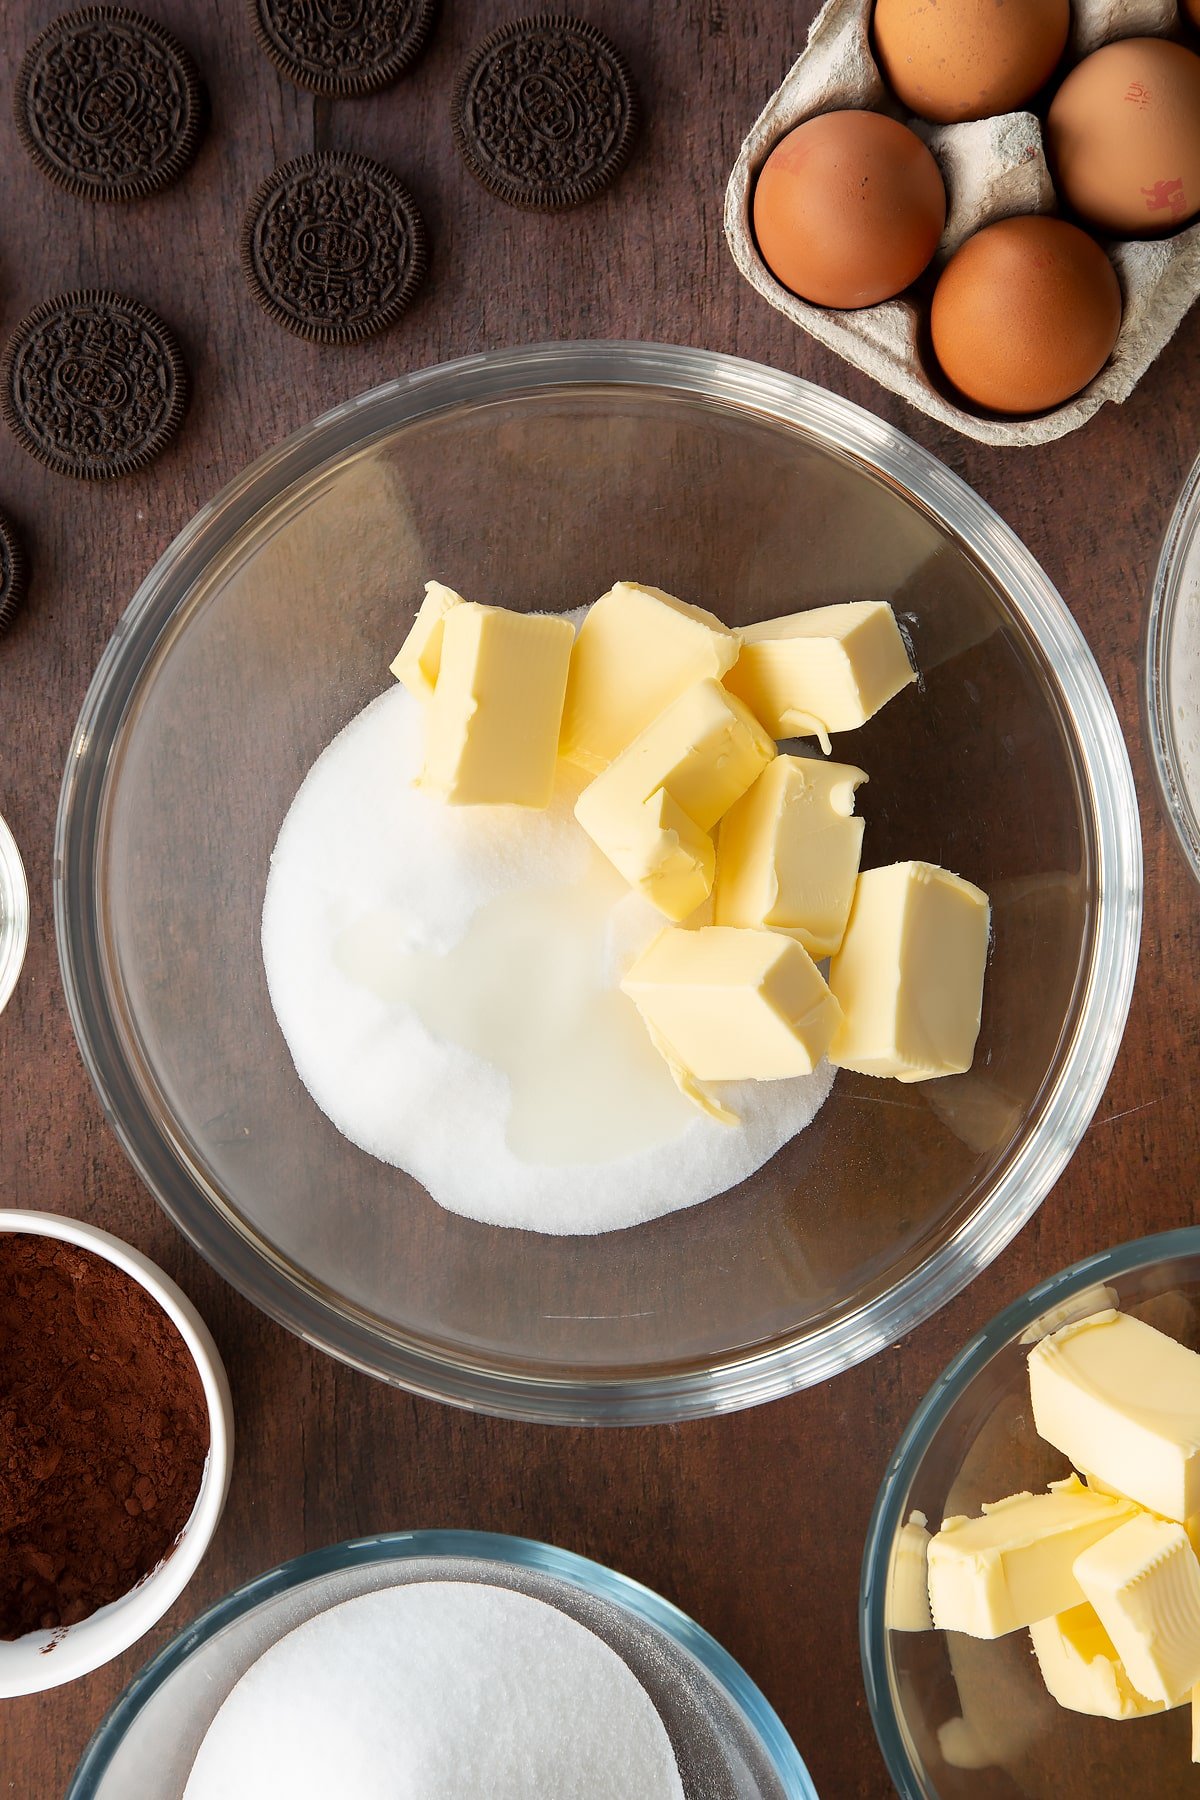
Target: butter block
1121,1399
1015,1564
491,727
637,650
703,752
789,850
907,1607
831,669
909,974
662,854
1144,1582
1081,1668
732,1005
420,655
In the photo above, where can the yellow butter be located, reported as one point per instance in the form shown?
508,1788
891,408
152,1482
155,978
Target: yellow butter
1144,1582
732,1005
907,1607
703,752
420,654
491,726
662,854
1121,1399
909,974
830,669
789,850
637,650
1015,1564
1081,1668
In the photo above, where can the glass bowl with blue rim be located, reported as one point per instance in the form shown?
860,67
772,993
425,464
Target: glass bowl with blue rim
536,477
728,1742
957,1717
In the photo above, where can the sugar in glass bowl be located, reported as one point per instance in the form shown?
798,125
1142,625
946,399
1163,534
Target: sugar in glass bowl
959,1717
534,478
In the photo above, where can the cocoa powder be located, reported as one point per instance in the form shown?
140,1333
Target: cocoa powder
103,1433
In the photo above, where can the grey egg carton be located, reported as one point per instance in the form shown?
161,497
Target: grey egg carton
992,168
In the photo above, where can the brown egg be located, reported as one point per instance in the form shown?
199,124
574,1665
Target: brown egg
969,59
1191,10
848,209
1123,132
1024,314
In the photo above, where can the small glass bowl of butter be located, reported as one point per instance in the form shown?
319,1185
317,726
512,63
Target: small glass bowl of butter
958,1715
14,914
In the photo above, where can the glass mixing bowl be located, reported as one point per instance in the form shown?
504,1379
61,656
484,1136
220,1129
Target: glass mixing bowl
535,478
1171,692
728,1742
972,1439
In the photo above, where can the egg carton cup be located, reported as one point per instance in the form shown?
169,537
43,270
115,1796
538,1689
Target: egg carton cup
993,168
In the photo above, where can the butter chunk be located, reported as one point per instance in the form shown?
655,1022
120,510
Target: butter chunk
1122,1400
907,1607
830,669
637,650
789,850
491,728
420,655
1144,1582
909,974
703,752
1081,1668
731,1005
662,854
1015,1564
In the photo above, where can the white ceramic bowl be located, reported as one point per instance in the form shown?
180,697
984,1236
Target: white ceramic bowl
47,1659
14,914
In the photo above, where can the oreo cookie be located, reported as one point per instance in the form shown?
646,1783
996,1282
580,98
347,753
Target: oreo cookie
334,247
108,104
93,385
13,574
545,112
343,48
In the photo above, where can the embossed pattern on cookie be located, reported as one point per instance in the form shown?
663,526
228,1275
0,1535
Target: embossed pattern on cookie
13,574
334,247
545,113
343,48
108,104
93,384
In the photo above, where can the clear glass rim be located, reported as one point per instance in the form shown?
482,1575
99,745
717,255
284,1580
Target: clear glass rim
921,1430
512,1552
1165,594
742,1378
14,914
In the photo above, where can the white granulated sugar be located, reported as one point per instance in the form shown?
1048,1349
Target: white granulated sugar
369,871
438,1691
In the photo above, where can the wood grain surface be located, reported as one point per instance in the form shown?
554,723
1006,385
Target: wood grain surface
754,1524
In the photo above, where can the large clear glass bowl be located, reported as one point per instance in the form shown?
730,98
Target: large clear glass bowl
535,478
728,1742
1171,691
971,1440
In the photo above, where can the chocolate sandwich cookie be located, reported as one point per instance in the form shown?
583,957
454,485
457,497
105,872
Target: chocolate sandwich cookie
108,104
13,574
93,384
545,113
334,247
343,48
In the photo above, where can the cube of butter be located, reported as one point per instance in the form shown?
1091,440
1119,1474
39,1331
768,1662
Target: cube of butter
830,669
659,851
703,752
730,1005
1015,1564
491,727
1081,1668
789,850
909,974
1122,1399
1144,1582
637,650
420,655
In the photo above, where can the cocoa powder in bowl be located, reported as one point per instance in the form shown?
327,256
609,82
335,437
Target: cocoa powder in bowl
103,1433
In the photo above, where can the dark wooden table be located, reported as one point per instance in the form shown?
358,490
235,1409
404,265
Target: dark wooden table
753,1524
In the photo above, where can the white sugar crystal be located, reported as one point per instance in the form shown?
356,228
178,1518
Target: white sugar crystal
437,1691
